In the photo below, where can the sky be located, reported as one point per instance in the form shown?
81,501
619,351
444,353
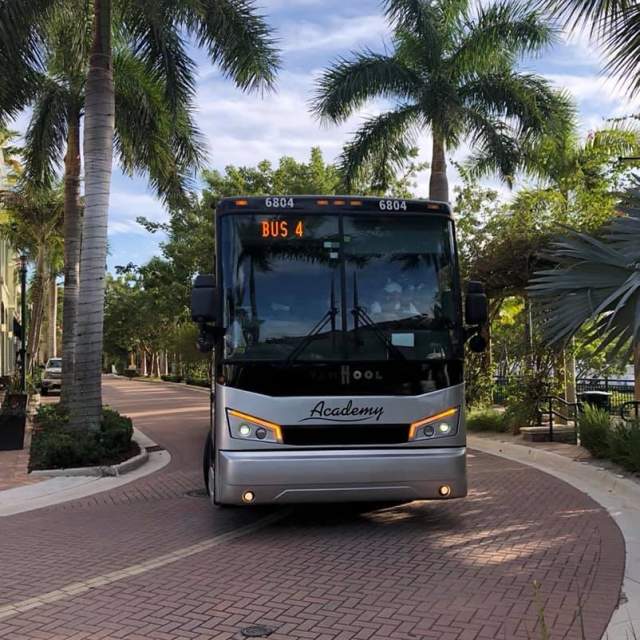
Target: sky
243,129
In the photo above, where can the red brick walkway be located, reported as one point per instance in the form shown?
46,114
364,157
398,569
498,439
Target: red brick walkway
448,570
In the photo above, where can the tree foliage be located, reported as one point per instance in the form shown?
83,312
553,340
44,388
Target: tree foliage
452,71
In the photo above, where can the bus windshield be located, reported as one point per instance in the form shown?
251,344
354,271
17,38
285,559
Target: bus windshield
352,287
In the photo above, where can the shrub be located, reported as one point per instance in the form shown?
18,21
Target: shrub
595,431
198,382
171,378
486,420
625,445
55,446
116,431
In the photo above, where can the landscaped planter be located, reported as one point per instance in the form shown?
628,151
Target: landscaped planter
13,419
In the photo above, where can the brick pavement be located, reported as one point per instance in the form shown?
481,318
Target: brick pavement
451,570
14,469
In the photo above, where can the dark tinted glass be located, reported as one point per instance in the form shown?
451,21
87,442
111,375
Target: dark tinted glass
312,288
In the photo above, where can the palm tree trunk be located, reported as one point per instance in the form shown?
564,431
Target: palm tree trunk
86,401
72,230
52,326
438,182
636,371
37,308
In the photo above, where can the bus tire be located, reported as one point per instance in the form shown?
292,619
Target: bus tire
206,462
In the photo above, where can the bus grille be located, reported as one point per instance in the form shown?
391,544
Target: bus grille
345,434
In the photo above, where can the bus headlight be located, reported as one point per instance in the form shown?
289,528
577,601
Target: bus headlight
246,427
439,425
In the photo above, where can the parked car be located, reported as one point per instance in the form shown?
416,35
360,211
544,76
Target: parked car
51,376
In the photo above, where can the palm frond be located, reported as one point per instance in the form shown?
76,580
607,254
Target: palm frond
46,134
575,14
381,146
153,33
501,31
407,14
150,137
593,280
495,149
19,35
622,45
238,38
530,101
348,84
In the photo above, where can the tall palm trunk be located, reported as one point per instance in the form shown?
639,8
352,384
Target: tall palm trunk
52,314
438,182
636,371
72,229
38,291
86,401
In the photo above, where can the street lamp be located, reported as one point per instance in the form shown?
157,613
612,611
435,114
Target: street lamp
23,318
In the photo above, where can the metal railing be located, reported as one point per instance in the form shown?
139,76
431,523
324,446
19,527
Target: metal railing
620,391
573,411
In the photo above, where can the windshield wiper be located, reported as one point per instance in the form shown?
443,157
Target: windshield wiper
329,316
359,314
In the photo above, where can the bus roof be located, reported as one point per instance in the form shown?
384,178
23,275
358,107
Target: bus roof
319,204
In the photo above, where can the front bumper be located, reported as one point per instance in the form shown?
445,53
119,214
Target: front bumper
340,476
51,384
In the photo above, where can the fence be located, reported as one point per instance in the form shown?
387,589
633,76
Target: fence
621,390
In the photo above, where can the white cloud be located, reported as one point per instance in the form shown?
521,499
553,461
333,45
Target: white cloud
126,206
244,129
336,33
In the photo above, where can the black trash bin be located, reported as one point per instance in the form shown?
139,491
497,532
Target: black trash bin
597,399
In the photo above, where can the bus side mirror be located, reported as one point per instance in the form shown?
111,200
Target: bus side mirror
476,311
204,300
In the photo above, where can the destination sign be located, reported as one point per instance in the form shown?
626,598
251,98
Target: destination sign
281,228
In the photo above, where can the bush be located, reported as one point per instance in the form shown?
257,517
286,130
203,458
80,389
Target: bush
625,445
486,420
595,431
171,378
198,382
55,446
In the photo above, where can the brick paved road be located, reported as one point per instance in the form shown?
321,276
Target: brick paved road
455,571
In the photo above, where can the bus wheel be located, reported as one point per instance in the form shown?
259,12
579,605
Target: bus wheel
206,462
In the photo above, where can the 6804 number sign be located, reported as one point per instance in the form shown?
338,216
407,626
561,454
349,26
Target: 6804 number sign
393,205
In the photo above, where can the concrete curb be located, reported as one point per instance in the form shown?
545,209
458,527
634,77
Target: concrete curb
101,471
64,487
619,495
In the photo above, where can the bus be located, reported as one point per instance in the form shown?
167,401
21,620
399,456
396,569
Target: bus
338,334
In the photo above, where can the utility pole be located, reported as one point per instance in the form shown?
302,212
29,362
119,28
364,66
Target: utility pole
23,321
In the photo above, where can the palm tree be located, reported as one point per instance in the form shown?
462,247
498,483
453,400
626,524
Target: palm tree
596,283
236,38
452,71
615,24
34,227
147,137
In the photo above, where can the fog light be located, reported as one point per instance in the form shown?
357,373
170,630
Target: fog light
444,428
245,430
428,431
248,496
444,490
261,433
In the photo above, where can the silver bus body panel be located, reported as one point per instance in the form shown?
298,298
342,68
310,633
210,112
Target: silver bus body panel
340,475
280,473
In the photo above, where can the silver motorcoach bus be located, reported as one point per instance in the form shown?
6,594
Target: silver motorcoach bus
338,332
